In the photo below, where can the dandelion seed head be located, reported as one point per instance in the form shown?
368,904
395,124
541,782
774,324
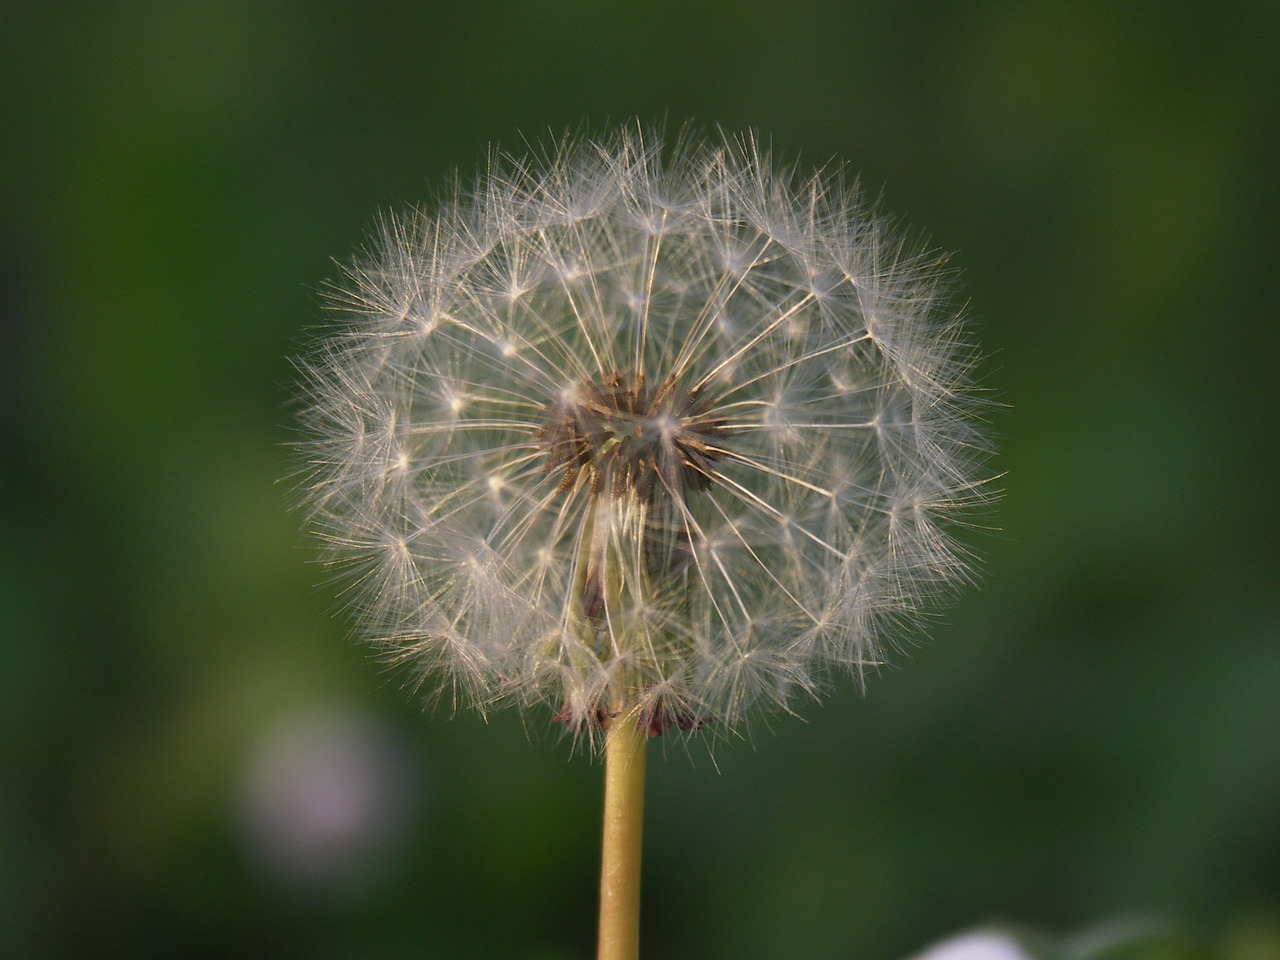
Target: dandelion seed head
641,428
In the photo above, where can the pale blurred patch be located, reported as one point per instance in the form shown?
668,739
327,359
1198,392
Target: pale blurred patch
976,945
327,798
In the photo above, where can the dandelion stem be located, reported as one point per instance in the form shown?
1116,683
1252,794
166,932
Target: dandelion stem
623,827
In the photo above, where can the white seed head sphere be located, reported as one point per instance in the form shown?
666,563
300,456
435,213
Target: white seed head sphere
641,428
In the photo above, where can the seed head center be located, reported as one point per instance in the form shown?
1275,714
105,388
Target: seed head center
622,437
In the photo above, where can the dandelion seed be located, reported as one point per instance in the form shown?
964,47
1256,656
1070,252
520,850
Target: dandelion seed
629,428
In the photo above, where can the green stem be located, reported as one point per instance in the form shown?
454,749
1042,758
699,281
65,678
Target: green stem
623,826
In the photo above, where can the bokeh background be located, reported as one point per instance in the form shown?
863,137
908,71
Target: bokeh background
197,762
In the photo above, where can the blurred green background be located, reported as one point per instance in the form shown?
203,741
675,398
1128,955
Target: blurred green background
197,762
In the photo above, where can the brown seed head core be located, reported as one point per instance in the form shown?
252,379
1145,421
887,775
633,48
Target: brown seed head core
647,447
622,437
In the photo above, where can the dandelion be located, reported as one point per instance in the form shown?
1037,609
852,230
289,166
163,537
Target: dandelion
651,435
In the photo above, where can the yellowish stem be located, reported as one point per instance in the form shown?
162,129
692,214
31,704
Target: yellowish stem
623,827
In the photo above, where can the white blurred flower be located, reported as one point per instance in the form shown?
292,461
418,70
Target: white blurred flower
977,945
639,428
